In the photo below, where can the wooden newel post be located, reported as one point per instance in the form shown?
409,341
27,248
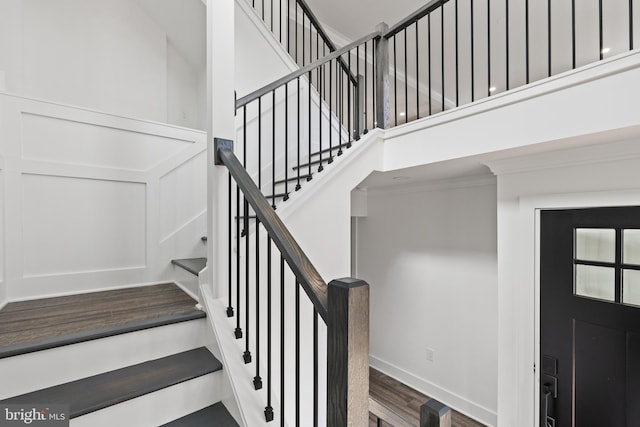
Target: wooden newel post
348,353
435,414
383,108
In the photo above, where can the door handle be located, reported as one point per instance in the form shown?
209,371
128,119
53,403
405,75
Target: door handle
550,390
549,420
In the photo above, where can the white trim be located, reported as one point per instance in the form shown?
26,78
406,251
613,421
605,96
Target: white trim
453,400
443,184
105,113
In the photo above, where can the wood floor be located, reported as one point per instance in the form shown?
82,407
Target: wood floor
405,401
93,315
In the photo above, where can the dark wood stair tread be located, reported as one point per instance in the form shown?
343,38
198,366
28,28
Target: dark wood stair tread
35,325
293,178
101,391
192,265
344,146
276,196
314,162
211,416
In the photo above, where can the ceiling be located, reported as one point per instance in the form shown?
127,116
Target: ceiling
339,14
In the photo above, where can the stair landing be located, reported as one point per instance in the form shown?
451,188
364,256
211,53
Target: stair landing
29,326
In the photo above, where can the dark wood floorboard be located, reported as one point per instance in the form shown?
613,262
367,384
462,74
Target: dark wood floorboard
101,391
405,401
211,416
44,320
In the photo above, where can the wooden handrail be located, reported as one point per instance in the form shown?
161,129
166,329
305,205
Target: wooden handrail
304,271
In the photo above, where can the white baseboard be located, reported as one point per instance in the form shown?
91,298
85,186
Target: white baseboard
453,400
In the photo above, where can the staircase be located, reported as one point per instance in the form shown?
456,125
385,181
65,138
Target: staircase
138,356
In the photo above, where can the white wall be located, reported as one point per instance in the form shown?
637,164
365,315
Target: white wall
430,256
91,200
184,103
109,56
605,174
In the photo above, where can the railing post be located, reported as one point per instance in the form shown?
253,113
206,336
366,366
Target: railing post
435,414
358,111
382,78
348,353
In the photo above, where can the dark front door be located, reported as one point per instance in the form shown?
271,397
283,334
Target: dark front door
590,317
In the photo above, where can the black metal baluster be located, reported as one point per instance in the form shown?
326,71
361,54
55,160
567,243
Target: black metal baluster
374,108
280,21
488,47
340,101
262,10
526,30
395,82
418,72
297,352
406,80
309,126
282,320
260,143
272,15
230,251
473,83
366,91
506,24
573,32
298,186
548,38
238,330
457,55
268,410
321,96
330,112
316,396
247,354
273,147
349,106
257,380
630,24
286,142
303,40
600,32
429,59
442,51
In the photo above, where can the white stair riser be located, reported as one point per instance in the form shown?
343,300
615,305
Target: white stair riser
160,407
41,369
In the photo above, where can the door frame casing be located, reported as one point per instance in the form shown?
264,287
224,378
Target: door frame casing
525,336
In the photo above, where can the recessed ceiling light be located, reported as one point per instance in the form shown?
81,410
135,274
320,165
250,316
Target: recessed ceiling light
605,50
492,89
402,114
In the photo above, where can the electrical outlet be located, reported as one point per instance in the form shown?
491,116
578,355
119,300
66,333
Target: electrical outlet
430,353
